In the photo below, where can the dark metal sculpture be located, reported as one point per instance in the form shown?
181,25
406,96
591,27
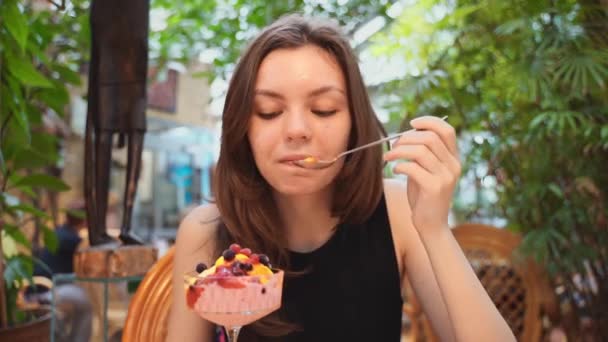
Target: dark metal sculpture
116,106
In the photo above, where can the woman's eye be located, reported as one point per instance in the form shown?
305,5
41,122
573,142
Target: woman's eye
324,112
268,115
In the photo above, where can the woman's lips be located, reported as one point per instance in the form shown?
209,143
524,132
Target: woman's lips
293,157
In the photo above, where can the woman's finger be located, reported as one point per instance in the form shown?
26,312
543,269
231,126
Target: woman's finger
446,132
420,154
435,145
419,175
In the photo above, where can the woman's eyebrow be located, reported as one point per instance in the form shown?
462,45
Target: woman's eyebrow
325,89
269,93
313,93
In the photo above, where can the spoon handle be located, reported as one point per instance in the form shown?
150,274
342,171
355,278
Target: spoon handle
390,137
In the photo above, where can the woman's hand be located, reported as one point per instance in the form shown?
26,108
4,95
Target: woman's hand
429,158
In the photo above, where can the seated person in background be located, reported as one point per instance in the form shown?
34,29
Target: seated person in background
75,313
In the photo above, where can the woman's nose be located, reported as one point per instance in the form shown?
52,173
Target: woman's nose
297,126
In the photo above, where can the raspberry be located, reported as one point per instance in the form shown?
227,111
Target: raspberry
230,283
192,295
207,281
223,271
235,247
246,251
200,267
254,258
229,255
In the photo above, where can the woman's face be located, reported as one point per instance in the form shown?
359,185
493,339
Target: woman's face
300,109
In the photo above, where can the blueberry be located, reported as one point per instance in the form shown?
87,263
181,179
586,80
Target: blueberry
264,260
246,267
200,267
237,269
228,255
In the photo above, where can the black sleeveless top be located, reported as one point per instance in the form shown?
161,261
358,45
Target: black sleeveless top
352,290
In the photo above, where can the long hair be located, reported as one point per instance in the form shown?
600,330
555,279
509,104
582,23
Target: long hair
248,212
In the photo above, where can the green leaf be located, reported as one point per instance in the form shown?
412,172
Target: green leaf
28,192
67,74
509,27
29,209
51,242
56,98
208,74
12,96
604,132
16,139
17,235
2,163
18,267
21,118
24,70
557,235
538,119
595,71
15,22
81,214
556,190
28,158
13,103
43,151
43,181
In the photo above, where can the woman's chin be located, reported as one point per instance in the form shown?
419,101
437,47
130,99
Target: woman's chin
297,189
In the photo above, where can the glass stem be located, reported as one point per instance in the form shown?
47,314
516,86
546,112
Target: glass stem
232,333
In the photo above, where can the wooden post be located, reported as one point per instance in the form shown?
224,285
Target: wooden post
111,261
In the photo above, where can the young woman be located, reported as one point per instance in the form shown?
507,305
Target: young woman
347,237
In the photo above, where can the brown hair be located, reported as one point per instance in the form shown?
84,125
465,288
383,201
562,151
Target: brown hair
239,189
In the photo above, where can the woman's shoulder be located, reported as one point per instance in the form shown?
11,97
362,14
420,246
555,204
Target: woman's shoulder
206,212
199,224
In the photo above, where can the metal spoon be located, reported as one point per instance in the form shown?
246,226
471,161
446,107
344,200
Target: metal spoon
311,162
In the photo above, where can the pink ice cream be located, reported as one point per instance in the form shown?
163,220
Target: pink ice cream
237,306
238,289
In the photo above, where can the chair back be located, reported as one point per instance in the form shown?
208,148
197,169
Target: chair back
149,308
515,285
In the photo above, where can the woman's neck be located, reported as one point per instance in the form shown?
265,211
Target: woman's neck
307,219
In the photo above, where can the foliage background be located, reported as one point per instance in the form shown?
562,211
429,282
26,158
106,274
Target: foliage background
525,84
38,60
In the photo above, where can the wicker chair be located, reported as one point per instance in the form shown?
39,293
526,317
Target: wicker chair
149,308
518,289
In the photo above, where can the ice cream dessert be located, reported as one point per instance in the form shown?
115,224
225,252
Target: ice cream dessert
239,288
